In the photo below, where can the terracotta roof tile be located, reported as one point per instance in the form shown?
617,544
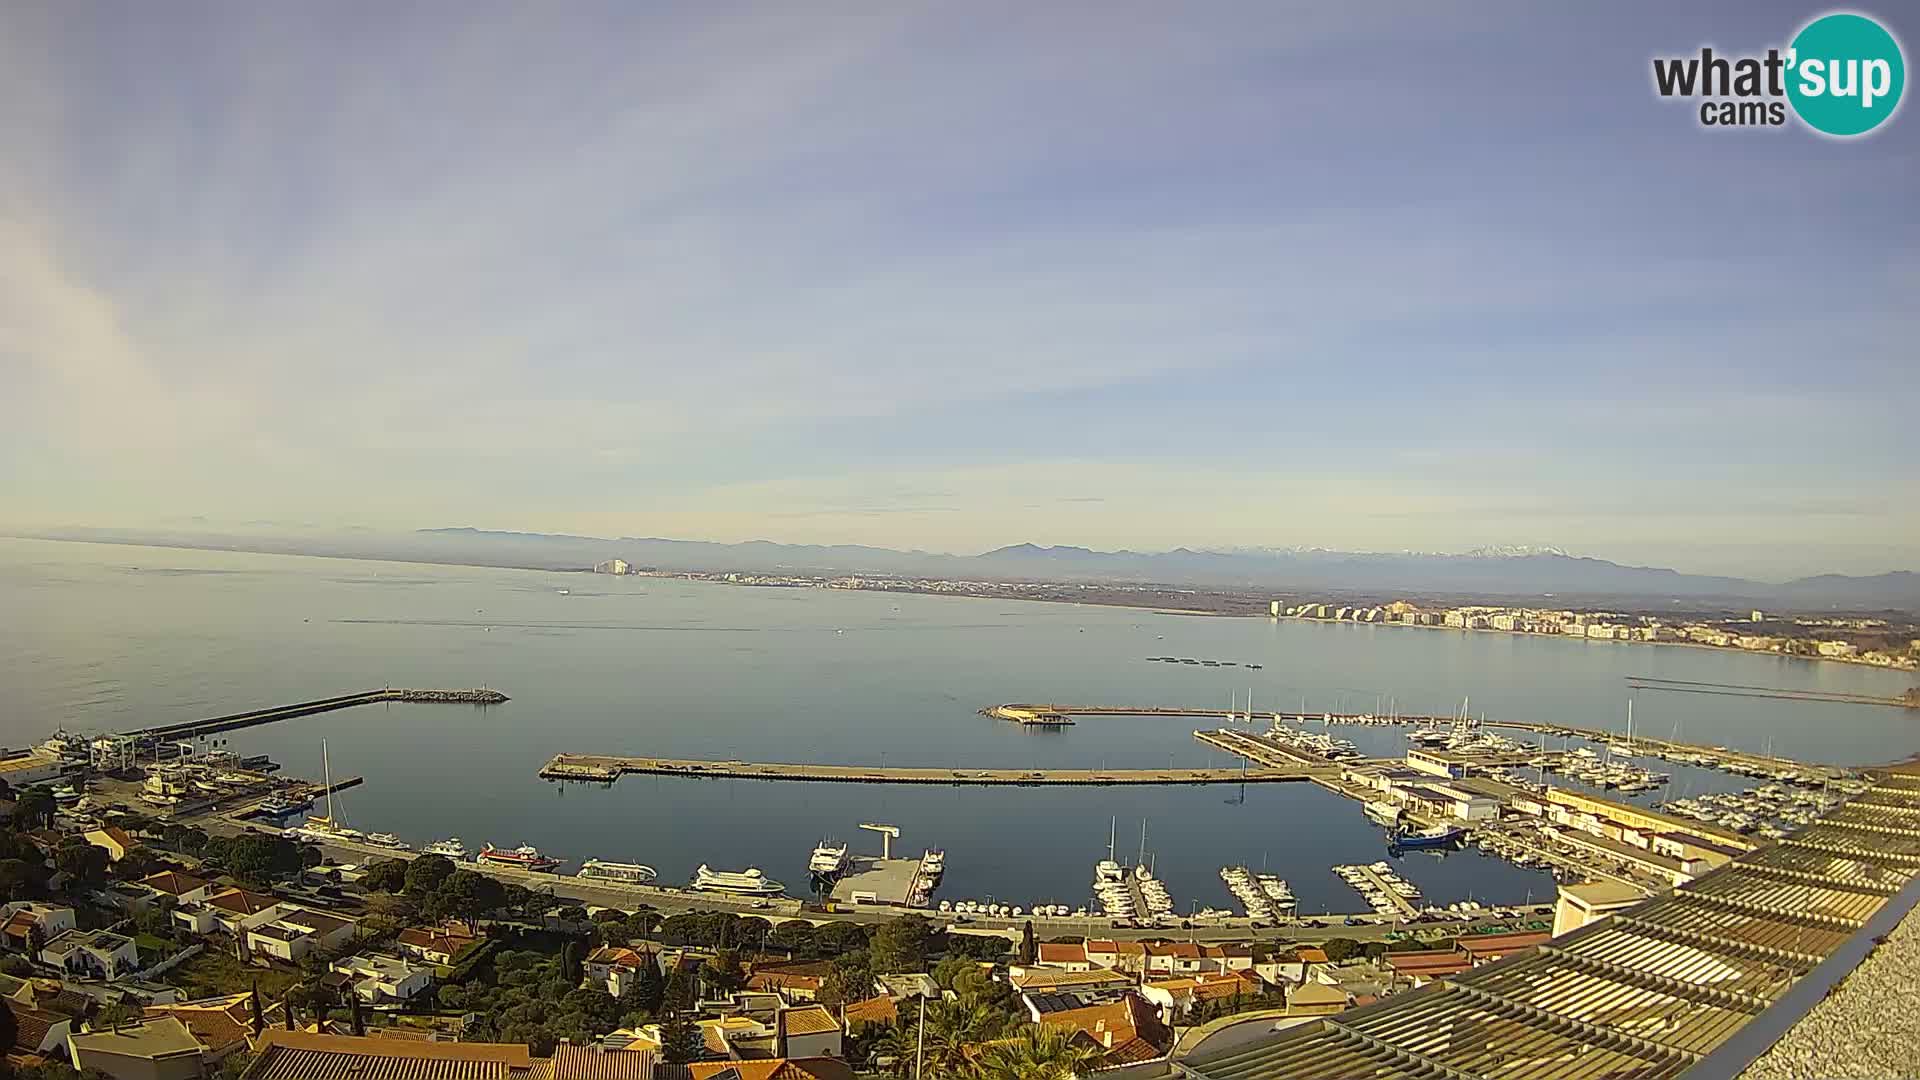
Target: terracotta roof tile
812,1020
586,1063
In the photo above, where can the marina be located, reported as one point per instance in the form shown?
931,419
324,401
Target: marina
1383,890
896,698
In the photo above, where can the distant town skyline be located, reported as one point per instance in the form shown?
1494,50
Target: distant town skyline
914,276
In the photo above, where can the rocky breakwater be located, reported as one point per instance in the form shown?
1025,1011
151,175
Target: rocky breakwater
449,697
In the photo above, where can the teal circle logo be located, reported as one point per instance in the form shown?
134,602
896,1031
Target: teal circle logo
1845,74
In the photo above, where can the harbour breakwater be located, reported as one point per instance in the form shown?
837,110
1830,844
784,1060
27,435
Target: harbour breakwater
193,729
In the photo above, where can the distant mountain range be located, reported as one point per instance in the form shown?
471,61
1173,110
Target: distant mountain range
1494,572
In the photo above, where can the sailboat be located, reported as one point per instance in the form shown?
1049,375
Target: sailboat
329,827
1624,749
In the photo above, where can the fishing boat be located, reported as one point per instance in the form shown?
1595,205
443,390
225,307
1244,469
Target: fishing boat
450,848
748,882
524,857
1436,836
626,873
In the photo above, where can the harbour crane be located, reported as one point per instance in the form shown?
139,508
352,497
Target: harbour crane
888,834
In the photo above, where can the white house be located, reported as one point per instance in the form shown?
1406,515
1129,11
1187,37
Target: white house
20,919
378,977
438,944
1067,956
182,889
236,911
807,1031
37,1031
613,968
299,931
113,840
92,954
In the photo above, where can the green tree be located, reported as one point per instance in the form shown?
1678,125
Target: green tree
681,1041
388,875
33,809
682,991
468,896
256,859
570,961
850,980
425,873
793,936
21,879
649,987
901,945
1029,951
955,1033
1038,1052
723,973
1341,949
83,863
839,938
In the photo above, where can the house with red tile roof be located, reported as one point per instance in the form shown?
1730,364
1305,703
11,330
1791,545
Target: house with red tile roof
1486,948
181,888
441,944
1128,1031
20,919
808,1031
1422,967
114,840
37,1032
1174,958
813,1068
221,1024
1069,956
614,968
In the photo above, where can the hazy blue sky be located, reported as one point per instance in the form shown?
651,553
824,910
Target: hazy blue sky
952,276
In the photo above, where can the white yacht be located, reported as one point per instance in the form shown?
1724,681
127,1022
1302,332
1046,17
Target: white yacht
627,873
386,840
828,859
933,863
450,848
749,882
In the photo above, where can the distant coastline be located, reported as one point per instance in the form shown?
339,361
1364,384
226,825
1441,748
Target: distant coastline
1167,599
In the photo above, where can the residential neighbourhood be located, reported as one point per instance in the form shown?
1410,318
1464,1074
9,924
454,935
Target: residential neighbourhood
1862,640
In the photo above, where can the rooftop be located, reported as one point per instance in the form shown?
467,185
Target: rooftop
1646,993
155,1037
810,1020
299,1055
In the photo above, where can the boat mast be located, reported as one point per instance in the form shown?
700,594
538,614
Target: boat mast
326,772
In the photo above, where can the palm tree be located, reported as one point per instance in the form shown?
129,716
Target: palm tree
1040,1053
955,1031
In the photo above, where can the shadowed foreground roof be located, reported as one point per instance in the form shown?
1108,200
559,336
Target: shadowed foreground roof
1645,994
299,1055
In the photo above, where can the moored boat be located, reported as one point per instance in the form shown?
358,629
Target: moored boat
748,882
450,848
524,857
828,859
1434,837
627,873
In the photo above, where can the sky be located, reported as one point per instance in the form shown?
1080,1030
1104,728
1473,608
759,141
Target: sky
1368,276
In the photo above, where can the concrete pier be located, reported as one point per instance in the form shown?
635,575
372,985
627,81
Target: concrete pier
193,729
605,769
